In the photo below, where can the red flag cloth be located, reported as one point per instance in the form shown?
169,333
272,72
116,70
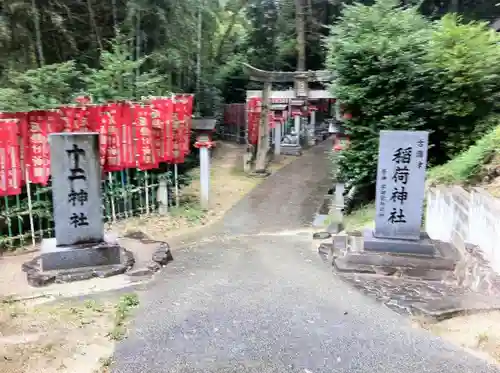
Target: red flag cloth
125,120
253,120
165,108
75,119
22,118
10,158
157,133
189,114
37,150
96,121
110,119
143,130
185,109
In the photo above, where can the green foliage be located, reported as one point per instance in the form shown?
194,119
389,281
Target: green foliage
467,166
119,76
374,51
43,87
398,70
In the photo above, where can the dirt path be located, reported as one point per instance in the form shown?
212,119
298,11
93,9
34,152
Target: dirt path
228,185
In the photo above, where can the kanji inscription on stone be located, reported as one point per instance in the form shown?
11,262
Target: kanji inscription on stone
400,184
76,188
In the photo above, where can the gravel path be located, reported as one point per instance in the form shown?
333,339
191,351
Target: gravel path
258,299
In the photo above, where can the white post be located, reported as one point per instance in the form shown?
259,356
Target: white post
162,196
338,116
313,118
277,139
204,176
176,185
297,119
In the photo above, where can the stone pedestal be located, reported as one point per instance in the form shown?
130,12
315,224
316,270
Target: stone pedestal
423,246
291,149
54,257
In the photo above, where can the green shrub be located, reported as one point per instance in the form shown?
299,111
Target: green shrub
397,70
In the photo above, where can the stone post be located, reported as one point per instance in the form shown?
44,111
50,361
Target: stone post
297,120
204,176
76,188
277,139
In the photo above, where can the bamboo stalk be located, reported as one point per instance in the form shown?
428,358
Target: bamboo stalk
113,210
30,208
176,183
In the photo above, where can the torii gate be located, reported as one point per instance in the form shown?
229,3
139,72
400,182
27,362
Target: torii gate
300,92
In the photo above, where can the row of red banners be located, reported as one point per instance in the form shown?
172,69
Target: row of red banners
275,117
254,108
131,135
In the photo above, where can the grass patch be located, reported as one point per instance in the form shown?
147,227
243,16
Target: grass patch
360,218
190,211
122,313
467,166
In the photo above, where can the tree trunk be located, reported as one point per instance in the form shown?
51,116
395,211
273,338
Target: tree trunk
38,33
229,29
93,24
198,58
115,16
301,35
138,41
263,143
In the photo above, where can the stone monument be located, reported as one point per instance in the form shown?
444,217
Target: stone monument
400,192
76,193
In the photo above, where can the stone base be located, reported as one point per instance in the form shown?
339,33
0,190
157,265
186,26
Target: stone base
349,256
55,257
335,228
288,149
424,246
37,277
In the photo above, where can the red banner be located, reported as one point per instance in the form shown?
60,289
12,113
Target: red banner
183,106
253,120
130,135
74,119
126,120
37,148
10,158
163,128
98,122
110,117
143,126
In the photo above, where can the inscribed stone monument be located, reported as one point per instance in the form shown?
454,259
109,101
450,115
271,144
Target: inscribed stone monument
76,188
400,184
76,192
400,195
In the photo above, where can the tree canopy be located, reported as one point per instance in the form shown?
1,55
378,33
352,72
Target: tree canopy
173,45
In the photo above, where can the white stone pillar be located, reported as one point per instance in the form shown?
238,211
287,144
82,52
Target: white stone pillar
204,176
313,118
277,138
297,120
